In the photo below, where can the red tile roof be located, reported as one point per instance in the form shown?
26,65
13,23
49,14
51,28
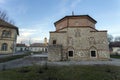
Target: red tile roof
114,44
20,45
72,16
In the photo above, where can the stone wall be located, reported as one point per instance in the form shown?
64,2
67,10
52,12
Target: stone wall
59,37
79,36
55,52
81,41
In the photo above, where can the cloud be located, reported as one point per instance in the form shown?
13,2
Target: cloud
25,35
27,32
67,6
75,3
36,40
40,28
112,30
33,34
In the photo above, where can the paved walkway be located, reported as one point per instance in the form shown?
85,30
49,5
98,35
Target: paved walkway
7,55
42,60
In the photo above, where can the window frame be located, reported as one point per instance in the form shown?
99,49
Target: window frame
94,54
6,34
4,47
54,42
69,53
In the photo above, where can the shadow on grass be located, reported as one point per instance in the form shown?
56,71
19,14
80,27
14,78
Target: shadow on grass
81,72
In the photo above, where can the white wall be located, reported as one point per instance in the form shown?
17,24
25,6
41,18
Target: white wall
116,50
37,49
19,48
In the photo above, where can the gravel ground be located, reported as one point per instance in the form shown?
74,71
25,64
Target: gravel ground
42,60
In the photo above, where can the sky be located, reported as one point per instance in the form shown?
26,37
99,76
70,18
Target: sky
35,18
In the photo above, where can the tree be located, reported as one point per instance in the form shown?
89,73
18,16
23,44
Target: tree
4,16
117,38
110,38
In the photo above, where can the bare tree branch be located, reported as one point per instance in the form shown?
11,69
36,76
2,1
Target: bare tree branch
5,17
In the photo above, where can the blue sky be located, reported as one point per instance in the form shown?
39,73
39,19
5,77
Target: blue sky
35,18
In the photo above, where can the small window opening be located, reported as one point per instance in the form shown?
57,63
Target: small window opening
93,53
70,53
54,41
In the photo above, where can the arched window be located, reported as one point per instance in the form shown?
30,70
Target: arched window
4,47
6,33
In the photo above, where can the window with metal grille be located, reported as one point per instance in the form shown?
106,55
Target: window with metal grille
70,53
93,53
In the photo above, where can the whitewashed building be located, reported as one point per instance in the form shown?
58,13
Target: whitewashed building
38,47
114,48
21,47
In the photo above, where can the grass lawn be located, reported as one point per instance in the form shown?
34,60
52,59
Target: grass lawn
115,56
5,59
96,72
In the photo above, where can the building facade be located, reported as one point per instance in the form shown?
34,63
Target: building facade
21,47
38,47
8,36
76,38
114,48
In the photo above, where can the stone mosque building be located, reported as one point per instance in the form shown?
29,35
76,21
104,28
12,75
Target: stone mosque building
76,38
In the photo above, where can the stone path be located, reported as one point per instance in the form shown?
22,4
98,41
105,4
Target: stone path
42,60
26,61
